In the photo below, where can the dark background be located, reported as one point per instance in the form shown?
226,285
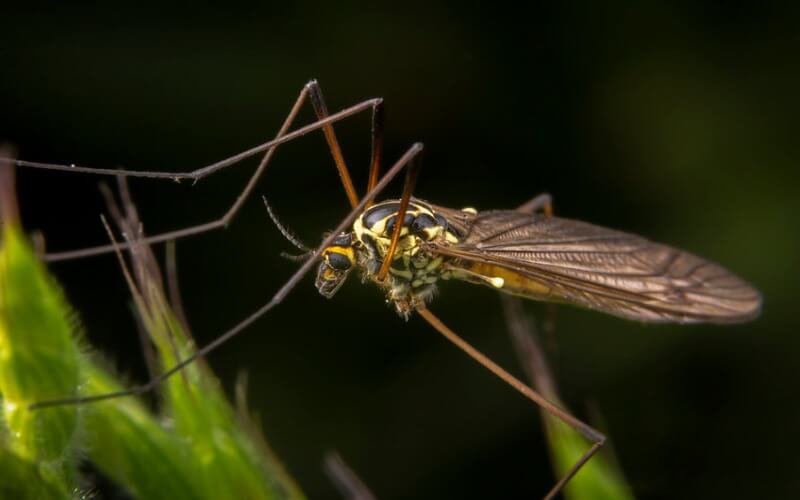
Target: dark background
674,120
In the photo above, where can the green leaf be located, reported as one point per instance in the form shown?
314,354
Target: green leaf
39,360
20,479
199,447
133,448
229,460
598,479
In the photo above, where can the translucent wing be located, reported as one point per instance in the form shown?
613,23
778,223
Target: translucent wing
555,259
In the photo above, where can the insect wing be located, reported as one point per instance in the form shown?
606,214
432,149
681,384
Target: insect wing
550,258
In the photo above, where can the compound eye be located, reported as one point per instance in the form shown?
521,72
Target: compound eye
421,223
338,261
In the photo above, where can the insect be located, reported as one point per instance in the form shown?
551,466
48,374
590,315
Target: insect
406,246
536,256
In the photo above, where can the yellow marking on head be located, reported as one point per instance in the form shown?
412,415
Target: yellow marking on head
469,210
346,251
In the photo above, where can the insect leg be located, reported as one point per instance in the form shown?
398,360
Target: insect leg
573,470
408,188
585,430
228,216
541,201
378,121
199,228
276,299
321,109
535,364
317,100
202,172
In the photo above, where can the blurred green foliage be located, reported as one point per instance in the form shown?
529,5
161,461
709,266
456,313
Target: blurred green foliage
197,447
40,361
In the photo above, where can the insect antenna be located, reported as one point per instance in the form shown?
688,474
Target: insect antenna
289,235
276,299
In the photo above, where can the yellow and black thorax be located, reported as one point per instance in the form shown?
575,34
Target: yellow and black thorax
413,271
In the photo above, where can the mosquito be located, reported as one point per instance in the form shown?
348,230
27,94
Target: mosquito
405,246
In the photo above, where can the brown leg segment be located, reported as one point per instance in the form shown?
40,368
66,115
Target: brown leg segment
195,175
378,120
587,431
408,188
315,94
274,301
543,202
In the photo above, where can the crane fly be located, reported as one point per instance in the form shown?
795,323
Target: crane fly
535,256
407,245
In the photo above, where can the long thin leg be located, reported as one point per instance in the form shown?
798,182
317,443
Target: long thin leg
556,489
143,264
588,432
321,109
535,365
378,122
408,188
202,172
223,221
541,201
274,301
585,430
315,93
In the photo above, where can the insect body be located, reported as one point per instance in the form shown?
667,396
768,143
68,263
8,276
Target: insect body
414,270
536,256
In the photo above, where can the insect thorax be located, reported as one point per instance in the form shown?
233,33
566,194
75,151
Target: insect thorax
413,273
